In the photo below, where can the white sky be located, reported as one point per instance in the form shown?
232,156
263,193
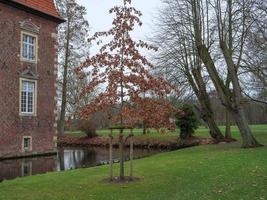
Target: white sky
100,19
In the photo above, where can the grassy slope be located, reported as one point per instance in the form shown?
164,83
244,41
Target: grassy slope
221,171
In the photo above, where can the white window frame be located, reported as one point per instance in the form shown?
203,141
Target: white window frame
34,103
30,147
35,46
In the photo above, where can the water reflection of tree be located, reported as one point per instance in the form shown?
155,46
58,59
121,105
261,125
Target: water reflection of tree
61,159
76,158
89,157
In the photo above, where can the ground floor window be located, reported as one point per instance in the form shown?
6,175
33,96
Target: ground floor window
27,97
27,143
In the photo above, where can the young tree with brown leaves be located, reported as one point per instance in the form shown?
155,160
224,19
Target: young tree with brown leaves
124,71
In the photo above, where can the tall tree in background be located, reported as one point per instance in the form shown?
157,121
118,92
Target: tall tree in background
124,71
219,30
73,48
232,25
179,61
74,86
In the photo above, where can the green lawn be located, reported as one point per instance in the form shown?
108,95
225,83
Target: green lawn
211,172
170,136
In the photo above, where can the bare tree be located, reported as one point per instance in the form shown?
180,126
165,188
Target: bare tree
180,62
74,102
218,32
72,48
231,27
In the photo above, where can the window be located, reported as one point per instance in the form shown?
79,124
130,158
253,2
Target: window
28,47
27,146
28,97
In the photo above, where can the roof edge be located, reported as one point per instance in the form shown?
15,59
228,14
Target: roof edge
33,11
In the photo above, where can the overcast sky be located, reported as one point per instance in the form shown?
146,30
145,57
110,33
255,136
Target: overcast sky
100,19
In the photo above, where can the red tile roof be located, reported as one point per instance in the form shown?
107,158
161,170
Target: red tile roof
44,6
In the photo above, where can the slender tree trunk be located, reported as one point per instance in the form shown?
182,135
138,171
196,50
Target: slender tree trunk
228,134
131,157
121,147
111,156
248,139
61,159
64,84
215,132
121,137
208,118
63,102
144,128
208,114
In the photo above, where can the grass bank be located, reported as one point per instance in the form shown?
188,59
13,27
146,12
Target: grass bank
222,171
153,139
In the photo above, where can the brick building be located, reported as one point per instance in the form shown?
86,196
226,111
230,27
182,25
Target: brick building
28,48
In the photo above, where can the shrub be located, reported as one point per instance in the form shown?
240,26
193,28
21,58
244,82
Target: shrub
88,128
187,122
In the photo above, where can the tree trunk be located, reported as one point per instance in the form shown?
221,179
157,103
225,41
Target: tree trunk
121,147
248,140
63,102
121,137
215,132
64,84
144,128
228,134
208,118
111,156
205,103
61,159
131,157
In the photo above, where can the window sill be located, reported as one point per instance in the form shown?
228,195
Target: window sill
26,151
28,61
27,115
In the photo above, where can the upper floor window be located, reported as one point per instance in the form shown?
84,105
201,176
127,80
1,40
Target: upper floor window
28,97
29,47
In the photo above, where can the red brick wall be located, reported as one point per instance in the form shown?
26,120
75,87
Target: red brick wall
12,126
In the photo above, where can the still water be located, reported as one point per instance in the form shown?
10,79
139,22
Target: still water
66,159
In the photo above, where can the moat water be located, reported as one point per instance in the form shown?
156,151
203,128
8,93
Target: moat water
66,159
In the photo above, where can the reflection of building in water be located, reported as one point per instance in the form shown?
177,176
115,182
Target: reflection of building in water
26,168
10,169
65,160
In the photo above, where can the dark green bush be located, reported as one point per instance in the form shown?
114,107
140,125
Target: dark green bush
187,121
89,128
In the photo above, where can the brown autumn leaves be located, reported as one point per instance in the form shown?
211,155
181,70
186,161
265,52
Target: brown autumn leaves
130,88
